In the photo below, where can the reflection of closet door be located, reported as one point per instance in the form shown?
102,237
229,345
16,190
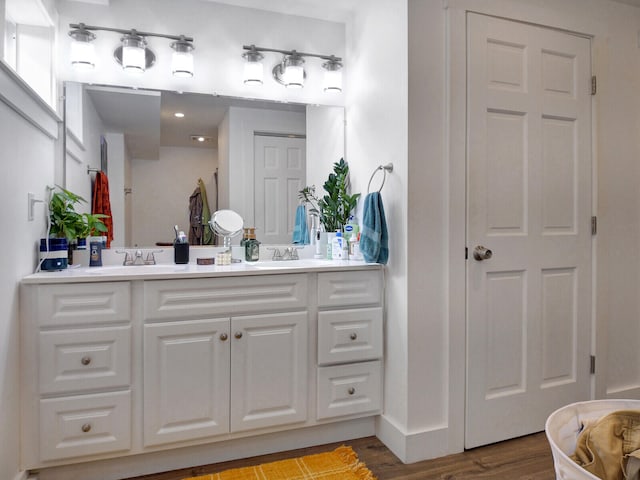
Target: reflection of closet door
279,173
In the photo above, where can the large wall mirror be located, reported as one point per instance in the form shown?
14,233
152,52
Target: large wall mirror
247,155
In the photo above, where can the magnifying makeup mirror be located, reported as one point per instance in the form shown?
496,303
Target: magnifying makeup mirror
226,223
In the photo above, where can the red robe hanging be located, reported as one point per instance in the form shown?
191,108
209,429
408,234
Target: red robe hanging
101,203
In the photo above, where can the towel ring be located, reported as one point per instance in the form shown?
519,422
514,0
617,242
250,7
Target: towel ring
385,168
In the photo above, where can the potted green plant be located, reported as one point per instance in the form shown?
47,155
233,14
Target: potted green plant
66,226
334,208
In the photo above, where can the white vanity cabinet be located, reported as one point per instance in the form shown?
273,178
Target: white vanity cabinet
163,365
77,366
212,375
349,343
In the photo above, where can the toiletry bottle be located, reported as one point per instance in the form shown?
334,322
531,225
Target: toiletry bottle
351,229
251,246
337,246
245,236
353,239
95,252
356,249
181,249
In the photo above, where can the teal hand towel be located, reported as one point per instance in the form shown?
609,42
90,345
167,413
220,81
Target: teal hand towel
300,230
374,238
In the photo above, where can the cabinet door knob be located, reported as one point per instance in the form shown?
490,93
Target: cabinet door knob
238,335
86,360
353,336
223,337
86,427
351,390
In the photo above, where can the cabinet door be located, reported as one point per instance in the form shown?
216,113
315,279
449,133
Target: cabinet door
269,370
186,380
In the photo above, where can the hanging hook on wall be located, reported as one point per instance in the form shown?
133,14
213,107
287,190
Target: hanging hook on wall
91,169
385,168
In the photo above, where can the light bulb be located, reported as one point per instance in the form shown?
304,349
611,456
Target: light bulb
182,59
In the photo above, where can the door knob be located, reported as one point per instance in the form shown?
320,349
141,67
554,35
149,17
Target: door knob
482,253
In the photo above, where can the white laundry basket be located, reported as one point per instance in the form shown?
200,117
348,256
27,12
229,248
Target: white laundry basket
564,425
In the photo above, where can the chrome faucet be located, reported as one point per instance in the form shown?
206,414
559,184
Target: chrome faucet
137,257
289,253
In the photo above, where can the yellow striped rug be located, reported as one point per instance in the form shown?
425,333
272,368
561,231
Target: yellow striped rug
341,464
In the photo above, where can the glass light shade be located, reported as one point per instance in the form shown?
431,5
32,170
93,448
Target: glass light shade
182,58
182,64
332,81
253,73
83,55
133,54
293,76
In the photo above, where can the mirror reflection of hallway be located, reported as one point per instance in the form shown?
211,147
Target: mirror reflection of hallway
279,173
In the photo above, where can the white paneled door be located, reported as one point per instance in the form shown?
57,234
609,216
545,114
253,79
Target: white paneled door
280,171
529,203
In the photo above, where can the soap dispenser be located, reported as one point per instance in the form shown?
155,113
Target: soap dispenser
251,246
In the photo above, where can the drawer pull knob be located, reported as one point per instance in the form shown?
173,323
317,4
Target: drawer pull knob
353,336
86,427
351,390
223,337
238,335
86,360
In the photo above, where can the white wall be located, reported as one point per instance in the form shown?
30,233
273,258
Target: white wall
326,146
376,112
116,158
28,153
83,145
161,191
219,32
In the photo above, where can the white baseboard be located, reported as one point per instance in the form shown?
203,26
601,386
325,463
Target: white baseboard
167,460
411,447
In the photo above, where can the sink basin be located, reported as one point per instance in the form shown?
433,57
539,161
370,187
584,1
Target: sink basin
283,264
135,269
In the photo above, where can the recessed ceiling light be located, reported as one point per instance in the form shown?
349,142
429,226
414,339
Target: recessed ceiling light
201,138
178,114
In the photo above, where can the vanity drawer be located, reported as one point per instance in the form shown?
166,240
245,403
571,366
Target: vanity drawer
349,335
85,425
84,359
171,299
349,389
343,289
84,304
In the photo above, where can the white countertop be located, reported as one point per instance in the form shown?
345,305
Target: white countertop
171,271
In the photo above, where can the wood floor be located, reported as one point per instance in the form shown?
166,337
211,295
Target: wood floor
525,458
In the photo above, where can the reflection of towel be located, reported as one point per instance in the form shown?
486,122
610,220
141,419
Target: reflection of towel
101,203
300,231
207,235
374,238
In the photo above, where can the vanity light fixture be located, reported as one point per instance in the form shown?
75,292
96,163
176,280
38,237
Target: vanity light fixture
133,53
182,58
253,69
332,76
290,70
83,53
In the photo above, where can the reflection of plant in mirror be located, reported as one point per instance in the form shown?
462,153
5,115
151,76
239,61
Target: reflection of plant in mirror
69,224
334,208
